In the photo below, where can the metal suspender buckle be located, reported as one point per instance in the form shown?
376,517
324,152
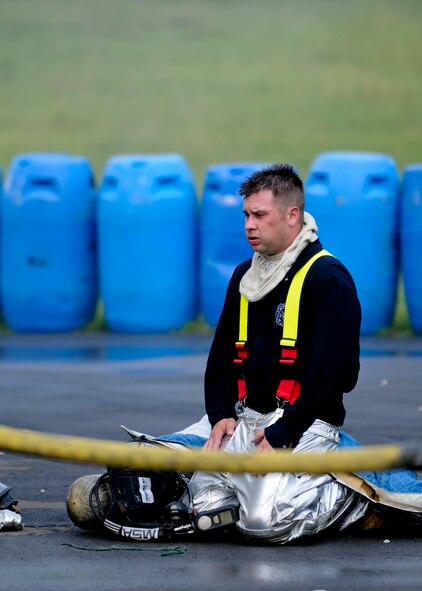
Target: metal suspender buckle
280,406
240,408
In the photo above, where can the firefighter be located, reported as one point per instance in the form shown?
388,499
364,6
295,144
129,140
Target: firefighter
285,350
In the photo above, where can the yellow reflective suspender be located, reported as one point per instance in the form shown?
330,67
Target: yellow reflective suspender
291,312
243,320
288,389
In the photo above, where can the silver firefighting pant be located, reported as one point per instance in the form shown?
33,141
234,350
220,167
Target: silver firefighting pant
280,507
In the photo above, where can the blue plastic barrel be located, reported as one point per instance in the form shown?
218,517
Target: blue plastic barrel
48,243
1,197
147,229
411,240
354,197
222,238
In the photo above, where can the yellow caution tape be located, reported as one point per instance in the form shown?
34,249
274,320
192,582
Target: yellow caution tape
121,455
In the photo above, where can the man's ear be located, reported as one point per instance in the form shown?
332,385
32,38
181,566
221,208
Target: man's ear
293,216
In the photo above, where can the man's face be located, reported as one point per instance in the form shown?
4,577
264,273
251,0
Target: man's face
267,225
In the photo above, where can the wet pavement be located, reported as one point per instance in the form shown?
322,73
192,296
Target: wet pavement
88,385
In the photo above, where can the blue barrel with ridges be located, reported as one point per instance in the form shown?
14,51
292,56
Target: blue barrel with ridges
222,237
147,229
354,197
48,252
1,197
411,240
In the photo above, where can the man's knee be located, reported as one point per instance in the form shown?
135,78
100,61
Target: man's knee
255,518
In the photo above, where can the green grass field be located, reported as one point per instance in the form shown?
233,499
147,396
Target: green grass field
218,81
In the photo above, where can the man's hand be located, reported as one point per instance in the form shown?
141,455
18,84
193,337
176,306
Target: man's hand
219,431
261,442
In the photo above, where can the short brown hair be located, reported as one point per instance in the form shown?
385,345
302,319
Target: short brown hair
282,180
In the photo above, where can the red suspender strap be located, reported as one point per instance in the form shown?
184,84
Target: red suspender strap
242,355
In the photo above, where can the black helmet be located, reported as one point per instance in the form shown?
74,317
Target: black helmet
132,504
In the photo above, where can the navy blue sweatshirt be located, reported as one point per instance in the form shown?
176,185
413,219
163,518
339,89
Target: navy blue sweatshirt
328,349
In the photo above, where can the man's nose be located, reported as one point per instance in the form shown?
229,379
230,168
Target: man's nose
250,223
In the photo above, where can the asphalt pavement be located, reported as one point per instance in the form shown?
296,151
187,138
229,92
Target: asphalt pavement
88,385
